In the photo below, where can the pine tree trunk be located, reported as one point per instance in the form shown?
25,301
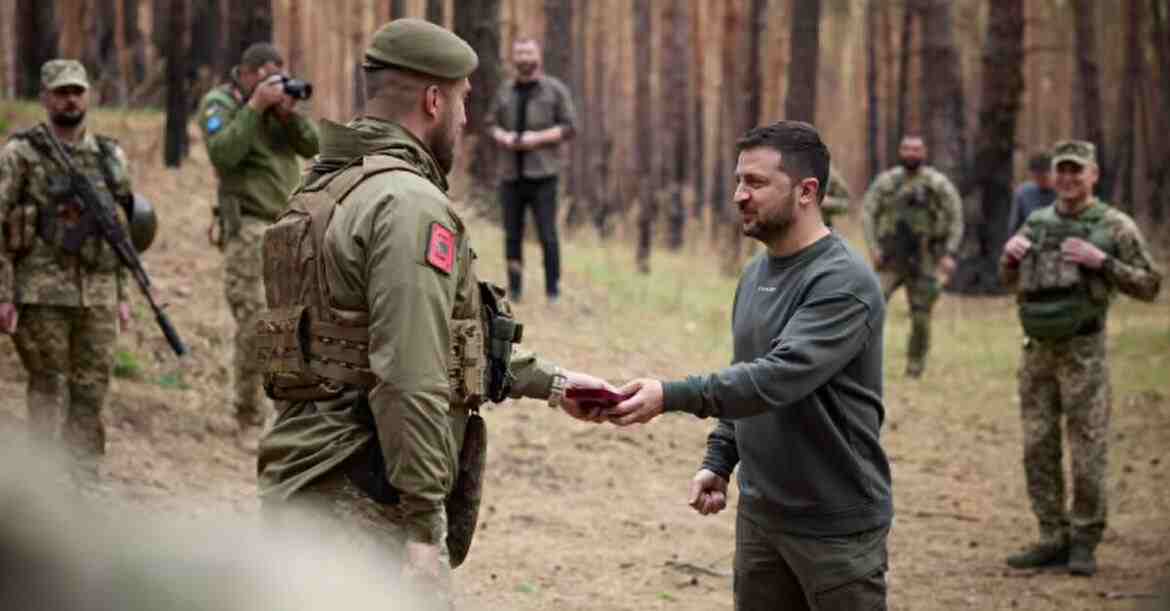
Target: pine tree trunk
436,12
250,22
1003,87
397,9
579,150
36,31
478,22
1090,88
558,61
905,48
600,136
643,144
699,127
873,115
175,148
1159,167
801,102
943,105
676,106
1126,132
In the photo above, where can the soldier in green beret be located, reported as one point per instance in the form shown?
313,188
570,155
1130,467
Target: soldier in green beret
381,426
1066,264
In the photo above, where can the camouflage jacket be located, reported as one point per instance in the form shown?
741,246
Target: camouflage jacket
894,190
837,197
254,154
1129,267
33,267
380,258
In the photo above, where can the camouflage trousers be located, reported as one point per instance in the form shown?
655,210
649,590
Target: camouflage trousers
922,291
68,354
1067,378
351,520
244,289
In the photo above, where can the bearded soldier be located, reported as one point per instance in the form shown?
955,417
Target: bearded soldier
913,227
62,302
1066,263
378,332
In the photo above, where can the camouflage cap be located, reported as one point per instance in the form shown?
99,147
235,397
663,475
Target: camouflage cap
421,46
63,73
1077,151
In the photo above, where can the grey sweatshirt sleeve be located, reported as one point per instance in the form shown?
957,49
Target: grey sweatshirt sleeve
722,453
824,335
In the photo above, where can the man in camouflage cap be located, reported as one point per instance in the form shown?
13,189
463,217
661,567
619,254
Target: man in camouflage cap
254,135
1066,263
62,306
376,437
913,226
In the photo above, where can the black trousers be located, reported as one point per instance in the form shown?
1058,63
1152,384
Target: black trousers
775,570
517,196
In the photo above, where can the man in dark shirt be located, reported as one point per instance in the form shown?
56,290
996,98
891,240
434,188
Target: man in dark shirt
1034,194
532,115
800,409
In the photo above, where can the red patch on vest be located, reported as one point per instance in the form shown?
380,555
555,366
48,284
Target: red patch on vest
441,248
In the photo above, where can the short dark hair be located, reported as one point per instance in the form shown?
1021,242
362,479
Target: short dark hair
1040,162
802,153
260,53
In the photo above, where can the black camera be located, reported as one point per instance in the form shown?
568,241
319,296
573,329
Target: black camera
296,88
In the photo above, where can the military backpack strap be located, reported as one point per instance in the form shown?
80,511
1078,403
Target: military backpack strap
106,146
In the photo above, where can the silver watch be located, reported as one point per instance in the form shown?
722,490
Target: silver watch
556,392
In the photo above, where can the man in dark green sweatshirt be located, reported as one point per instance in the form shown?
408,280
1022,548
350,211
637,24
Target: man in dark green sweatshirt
254,135
800,408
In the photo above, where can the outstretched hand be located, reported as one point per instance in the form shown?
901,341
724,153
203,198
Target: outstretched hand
593,413
644,406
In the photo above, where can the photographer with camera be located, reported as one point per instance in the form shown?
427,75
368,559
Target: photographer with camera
254,135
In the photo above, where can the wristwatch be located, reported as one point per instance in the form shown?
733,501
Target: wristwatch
556,392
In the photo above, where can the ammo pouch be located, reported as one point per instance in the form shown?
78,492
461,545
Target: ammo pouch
20,230
1060,313
304,358
502,332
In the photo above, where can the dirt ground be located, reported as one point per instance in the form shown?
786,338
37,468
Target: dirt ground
584,517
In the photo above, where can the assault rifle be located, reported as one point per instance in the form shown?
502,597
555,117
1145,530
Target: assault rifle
98,212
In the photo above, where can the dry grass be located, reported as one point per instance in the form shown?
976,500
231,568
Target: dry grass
583,517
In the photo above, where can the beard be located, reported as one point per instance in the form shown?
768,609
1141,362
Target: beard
442,141
910,164
766,228
526,69
68,118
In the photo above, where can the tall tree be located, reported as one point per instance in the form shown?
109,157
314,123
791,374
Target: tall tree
873,112
1126,132
600,137
1003,88
175,148
1088,74
36,32
675,96
1158,171
699,120
436,12
397,8
643,142
478,22
801,102
579,150
558,62
249,21
905,47
135,43
943,109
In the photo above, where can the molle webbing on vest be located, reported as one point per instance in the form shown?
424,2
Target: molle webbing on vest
307,348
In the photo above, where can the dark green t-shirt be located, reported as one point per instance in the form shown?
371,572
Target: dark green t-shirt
800,407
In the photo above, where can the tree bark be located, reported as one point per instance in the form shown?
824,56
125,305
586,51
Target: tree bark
905,47
675,54
1090,89
1159,166
478,22
558,61
801,102
175,148
36,31
397,9
643,144
1003,87
250,21
943,105
436,12
1126,131
599,137
873,114
699,158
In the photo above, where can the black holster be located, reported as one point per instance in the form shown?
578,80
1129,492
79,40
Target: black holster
503,331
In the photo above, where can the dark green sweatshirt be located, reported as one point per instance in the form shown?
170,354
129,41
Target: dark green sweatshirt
800,407
254,154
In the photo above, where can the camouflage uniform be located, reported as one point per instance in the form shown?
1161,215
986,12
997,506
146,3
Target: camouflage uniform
255,159
67,303
837,196
1067,373
396,408
927,204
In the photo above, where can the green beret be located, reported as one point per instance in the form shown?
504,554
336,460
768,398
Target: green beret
421,46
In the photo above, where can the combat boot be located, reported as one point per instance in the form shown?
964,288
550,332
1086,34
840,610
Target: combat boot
1043,554
1081,560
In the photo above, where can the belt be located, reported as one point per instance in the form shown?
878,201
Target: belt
1091,327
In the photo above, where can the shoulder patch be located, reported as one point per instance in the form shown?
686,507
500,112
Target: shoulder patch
441,248
213,124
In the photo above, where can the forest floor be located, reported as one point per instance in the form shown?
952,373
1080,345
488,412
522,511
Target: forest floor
578,516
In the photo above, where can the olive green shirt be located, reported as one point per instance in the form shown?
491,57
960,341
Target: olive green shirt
254,154
550,105
376,260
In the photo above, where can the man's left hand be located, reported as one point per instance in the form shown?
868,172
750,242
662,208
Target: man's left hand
644,406
1076,250
527,141
285,109
946,266
575,379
